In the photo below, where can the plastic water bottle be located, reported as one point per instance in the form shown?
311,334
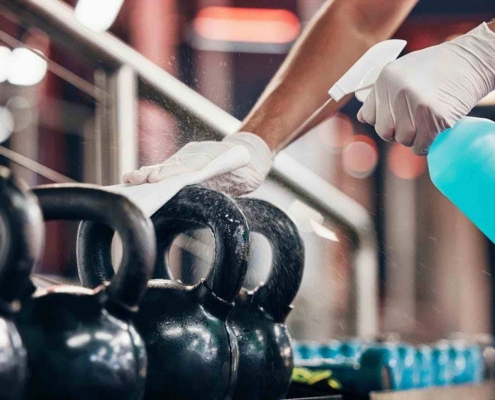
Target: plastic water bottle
408,364
307,350
441,365
424,367
332,351
351,349
462,166
475,371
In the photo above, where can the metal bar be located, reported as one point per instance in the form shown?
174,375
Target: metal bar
34,166
101,129
58,20
123,119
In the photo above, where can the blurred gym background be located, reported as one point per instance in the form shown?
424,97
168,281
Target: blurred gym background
435,268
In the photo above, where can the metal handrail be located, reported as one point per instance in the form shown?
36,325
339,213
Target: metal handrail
105,51
34,166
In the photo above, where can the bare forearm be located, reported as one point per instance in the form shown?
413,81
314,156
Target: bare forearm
491,25
341,33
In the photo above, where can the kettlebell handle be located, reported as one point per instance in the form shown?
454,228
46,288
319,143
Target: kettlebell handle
283,282
192,206
21,237
86,202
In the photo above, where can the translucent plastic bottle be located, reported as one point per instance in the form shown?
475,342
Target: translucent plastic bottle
462,166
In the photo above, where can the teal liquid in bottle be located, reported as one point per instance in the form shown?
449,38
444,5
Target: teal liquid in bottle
462,166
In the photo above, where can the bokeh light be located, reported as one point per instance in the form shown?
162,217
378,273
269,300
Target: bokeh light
98,15
404,164
360,157
336,132
21,110
237,24
26,68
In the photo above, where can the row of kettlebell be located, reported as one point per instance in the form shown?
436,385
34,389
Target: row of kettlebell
137,332
362,366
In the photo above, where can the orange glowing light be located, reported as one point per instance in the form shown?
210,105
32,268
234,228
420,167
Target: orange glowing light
253,25
365,139
404,163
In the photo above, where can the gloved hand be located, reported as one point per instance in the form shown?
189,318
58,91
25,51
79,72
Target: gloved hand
423,93
195,155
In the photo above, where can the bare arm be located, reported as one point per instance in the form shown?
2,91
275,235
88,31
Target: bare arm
337,37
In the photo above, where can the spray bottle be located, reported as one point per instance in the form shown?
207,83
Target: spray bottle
461,160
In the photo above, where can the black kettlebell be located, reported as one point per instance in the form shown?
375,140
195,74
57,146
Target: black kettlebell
192,351
21,244
258,319
81,343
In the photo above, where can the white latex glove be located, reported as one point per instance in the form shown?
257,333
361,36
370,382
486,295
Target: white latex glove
195,155
423,93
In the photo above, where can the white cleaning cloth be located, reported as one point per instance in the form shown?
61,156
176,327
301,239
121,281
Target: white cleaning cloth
150,197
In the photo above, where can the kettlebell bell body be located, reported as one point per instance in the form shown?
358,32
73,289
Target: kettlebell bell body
81,343
187,339
192,351
265,352
13,361
21,244
82,351
258,318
